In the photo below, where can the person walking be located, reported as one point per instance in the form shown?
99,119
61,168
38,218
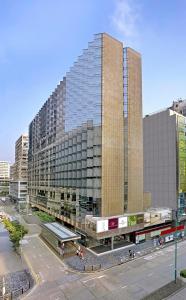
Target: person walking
130,253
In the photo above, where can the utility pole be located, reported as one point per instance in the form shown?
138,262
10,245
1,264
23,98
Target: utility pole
176,248
4,289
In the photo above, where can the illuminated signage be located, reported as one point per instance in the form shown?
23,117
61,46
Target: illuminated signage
132,220
113,223
123,222
102,225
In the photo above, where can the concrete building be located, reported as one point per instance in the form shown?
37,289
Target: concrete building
179,106
4,178
19,171
85,143
165,158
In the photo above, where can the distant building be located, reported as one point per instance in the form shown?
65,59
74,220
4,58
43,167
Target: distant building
4,178
165,158
19,170
179,106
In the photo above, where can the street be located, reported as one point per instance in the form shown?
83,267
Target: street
131,280
128,281
9,260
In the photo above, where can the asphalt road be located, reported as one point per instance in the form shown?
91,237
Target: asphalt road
9,260
128,281
132,280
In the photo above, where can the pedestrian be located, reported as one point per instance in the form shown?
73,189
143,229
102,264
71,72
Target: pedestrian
161,242
130,254
133,254
81,254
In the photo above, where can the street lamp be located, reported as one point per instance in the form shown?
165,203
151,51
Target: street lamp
176,248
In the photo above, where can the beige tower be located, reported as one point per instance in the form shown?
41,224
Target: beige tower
122,140
112,127
135,132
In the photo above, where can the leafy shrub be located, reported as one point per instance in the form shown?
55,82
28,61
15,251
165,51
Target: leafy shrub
16,232
183,273
44,217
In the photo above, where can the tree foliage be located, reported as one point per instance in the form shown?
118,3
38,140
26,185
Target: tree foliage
16,232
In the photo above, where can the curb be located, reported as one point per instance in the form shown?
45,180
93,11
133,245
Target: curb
36,276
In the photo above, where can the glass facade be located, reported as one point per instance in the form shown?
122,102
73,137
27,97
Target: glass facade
83,88
79,140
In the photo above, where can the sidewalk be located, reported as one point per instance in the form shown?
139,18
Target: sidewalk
109,260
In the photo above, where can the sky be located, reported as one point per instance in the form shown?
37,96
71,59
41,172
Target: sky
40,40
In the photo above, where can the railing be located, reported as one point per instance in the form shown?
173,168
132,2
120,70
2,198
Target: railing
90,268
17,292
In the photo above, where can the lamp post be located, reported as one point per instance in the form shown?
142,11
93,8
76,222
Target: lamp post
176,248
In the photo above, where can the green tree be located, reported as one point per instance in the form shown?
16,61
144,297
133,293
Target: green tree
16,232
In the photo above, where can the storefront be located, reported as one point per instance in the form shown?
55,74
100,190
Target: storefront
150,233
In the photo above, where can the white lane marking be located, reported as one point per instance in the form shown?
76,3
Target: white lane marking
99,277
149,257
42,277
84,281
123,287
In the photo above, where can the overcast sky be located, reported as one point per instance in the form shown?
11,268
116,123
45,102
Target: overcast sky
40,39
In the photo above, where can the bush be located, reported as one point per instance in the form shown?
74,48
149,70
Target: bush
44,217
183,273
16,232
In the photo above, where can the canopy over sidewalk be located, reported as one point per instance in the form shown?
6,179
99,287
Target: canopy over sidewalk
61,232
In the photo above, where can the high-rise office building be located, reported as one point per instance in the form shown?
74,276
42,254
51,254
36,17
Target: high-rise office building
19,170
85,143
4,178
165,158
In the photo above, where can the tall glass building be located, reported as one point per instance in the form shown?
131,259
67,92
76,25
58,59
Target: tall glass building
85,143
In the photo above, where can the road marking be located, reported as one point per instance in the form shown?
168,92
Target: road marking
84,281
99,277
42,277
149,257
170,265
123,287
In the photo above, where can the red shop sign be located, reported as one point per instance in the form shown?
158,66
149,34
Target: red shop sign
113,223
